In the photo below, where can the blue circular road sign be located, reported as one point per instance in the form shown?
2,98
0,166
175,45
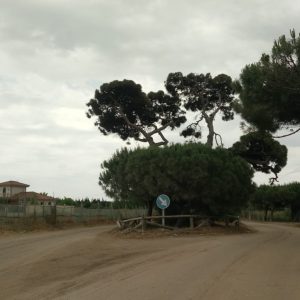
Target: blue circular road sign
162,201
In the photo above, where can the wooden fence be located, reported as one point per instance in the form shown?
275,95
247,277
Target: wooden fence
145,221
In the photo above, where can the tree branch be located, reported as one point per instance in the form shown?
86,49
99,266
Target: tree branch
273,179
147,136
220,138
281,136
141,140
165,141
213,114
157,130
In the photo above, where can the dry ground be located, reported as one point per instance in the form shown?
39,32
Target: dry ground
93,263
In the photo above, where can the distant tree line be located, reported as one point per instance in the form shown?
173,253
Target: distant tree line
99,203
277,198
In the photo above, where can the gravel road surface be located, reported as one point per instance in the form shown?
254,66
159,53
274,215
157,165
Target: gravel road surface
92,263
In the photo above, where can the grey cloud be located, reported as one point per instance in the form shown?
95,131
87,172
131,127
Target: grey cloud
162,34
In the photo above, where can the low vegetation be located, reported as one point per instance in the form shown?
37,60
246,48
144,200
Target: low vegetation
279,198
197,178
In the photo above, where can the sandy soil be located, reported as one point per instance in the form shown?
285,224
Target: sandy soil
93,263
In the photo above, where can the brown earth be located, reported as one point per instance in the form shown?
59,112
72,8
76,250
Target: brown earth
22,225
94,263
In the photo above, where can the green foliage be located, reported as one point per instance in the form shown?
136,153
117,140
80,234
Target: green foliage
121,107
65,201
270,89
205,95
86,203
292,198
278,197
261,151
267,197
210,181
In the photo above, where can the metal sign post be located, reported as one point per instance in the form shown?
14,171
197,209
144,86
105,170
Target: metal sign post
163,202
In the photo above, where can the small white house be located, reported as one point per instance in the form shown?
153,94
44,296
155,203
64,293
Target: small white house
10,188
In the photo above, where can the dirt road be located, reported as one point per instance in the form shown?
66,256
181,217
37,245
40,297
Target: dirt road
90,263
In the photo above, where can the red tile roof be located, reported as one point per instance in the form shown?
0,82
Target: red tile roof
31,196
13,183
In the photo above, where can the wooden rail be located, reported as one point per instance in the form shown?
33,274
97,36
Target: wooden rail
143,221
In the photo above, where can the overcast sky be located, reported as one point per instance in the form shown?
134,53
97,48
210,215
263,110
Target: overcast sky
55,53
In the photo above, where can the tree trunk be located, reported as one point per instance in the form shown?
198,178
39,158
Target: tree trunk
266,214
271,215
211,131
295,213
150,208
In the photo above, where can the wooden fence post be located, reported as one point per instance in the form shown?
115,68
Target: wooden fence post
143,223
191,222
237,224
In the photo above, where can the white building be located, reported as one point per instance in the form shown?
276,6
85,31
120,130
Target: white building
10,188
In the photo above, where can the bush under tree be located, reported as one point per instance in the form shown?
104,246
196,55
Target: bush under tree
197,178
